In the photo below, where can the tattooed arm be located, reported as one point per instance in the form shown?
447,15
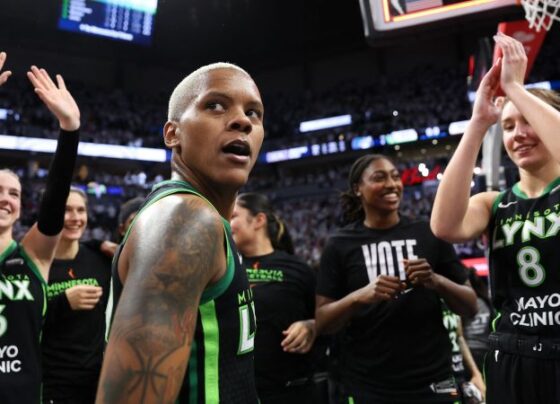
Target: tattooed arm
175,250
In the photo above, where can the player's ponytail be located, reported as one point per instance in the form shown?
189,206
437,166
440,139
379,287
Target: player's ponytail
276,229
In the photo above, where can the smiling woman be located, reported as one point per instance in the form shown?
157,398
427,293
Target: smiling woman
380,283
24,265
74,331
521,224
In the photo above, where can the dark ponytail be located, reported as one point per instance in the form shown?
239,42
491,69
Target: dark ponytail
276,229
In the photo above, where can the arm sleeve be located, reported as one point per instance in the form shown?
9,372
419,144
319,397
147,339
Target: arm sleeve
53,203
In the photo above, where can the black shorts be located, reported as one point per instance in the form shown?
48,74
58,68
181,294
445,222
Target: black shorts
444,393
522,370
70,394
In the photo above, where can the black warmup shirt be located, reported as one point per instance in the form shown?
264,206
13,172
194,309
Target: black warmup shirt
525,261
221,364
73,340
284,292
22,307
395,345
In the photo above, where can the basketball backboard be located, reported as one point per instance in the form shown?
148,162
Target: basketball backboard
386,19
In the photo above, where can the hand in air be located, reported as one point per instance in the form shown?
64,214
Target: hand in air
3,75
514,61
56,97
299,337
420,274
83,297
486,110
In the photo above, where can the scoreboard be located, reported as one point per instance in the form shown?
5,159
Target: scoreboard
125,20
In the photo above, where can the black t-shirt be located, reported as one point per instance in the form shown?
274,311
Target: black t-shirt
73,340
401,343
284,292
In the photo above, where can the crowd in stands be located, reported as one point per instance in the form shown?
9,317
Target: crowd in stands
431,96
308,202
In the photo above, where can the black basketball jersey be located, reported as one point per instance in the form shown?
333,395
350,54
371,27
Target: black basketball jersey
22,307
525,262
221,367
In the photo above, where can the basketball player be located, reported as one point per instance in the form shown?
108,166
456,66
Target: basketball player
24,266
184,324
523,365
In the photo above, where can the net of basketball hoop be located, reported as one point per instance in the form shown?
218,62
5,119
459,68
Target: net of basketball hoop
541,14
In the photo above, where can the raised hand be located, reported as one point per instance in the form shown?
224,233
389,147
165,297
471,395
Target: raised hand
514,61
4,75
485,108
56,97
299,337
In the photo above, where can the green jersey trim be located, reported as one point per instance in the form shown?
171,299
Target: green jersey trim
37,272
10,249
160,196
495,321
193,374
29,261
220,287
520,194
497,201
211,337
214,291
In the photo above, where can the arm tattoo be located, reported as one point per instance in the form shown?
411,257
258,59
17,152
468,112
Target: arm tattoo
152,334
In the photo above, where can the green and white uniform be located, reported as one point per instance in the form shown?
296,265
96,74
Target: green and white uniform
221,367
523,364
525,262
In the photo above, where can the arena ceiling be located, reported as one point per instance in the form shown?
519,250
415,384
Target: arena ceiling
258,34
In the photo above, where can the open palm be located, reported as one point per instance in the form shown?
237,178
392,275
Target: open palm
56,97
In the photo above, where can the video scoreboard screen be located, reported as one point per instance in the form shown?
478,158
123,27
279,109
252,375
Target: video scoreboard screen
125,20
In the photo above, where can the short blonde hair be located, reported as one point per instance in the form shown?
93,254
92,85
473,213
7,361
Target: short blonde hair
191,85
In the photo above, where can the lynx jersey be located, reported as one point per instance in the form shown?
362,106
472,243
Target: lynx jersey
525,262
22,308
221,368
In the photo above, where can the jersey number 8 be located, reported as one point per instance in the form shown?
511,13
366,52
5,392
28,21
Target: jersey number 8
530,270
